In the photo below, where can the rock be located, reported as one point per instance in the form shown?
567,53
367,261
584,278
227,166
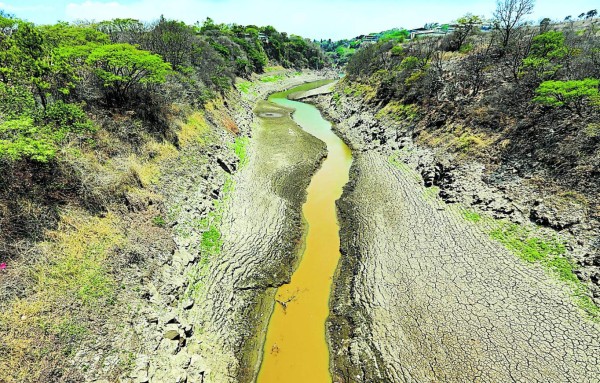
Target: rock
142,377
188,330
188,304
171,334
170,317
152,317
557,213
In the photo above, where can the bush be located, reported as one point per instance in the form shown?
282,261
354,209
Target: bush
569,94
67,118
20,138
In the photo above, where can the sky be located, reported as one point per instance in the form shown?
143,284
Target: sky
315,19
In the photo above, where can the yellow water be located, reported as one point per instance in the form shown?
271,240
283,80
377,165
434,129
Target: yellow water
296,348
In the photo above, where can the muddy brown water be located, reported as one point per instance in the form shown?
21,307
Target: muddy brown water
296,349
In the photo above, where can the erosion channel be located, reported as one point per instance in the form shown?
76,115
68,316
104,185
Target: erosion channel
296,349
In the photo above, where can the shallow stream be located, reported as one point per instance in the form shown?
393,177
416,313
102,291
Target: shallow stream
296,348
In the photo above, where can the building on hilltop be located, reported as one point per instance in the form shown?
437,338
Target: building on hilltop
371,38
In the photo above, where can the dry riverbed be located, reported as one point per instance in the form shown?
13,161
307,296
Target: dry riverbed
199,308
424,295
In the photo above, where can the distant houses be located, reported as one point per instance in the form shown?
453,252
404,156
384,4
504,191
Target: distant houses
442,30
371,38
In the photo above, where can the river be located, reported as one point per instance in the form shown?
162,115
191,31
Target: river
296,349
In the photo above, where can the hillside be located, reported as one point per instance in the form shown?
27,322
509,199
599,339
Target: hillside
108,131
221,203
510,129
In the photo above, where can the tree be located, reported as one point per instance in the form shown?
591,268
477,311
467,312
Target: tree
568,18
591,14
121,67
544,25
509,15
173,40
569,94
547,55
466,26
581,15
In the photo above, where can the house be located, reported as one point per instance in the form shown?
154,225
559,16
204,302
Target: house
263,37
420,32
371,38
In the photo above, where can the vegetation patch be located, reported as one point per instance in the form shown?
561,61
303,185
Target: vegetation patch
210,226
71,281
244,87
240,148
534,247
194,130
274,78
398,112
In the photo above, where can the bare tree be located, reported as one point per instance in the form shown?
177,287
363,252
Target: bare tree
509,15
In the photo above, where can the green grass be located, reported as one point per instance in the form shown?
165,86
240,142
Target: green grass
274,78
471,216
244,87
240,148
159,221
534,248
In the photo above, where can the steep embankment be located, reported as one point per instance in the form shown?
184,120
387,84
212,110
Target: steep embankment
422,294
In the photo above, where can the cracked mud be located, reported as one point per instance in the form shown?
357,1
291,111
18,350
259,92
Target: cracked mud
424,296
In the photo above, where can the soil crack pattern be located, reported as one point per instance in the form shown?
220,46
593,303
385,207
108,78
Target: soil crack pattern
424,296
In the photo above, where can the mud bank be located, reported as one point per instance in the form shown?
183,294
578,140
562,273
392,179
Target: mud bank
421,294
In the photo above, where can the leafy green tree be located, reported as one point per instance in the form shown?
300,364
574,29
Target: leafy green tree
21,138
173,40
547,55
121,67
572,95
65,34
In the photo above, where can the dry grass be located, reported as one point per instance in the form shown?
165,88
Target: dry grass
71,282
458,139
194,130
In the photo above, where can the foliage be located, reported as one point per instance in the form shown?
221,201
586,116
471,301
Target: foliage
569,94
466,26
20,138
73,280
241,150
121,67
399,112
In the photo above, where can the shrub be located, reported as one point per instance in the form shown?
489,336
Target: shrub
569,94
20,138
67,118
